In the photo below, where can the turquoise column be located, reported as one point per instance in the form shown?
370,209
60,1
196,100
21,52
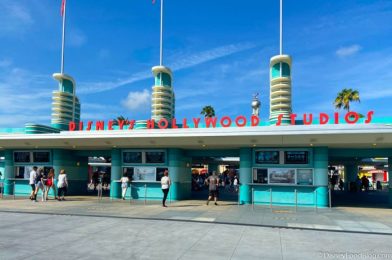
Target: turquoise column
178,175
390,180
320,155
8,172
351,170
75,167
245,175
116,172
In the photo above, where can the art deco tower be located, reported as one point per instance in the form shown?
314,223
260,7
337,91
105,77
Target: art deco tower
280,82
65,104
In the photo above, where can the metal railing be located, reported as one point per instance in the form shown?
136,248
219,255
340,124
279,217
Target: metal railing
295,203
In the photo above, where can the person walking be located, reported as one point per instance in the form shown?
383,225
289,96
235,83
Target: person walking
124,185
39,184
33,175
213,182
50,184
62,185
165,184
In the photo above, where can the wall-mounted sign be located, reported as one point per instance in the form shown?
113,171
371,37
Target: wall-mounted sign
213,122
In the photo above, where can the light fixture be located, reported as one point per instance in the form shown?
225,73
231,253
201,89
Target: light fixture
74,146
311,144
374,144
114,146
204,145
254,145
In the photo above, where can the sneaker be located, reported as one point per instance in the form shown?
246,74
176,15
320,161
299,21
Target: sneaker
216,204
207,202
123,198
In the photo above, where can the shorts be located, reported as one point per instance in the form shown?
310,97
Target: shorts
213,193
32,187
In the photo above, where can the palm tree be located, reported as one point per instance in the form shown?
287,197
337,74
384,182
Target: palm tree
208,111
120,118
344,98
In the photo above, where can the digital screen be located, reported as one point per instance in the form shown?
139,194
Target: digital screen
304,176
300,157
132,157
155,157
281,176
267,157
41,157
22,157
260,176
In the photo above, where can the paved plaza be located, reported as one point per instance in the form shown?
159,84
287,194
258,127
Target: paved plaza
88,228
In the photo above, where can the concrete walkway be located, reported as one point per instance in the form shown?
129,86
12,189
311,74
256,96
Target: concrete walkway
341,219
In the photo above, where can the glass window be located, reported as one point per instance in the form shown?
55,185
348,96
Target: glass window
281,176
22,157
132,157
285,70
41,157
296,157
144,174
304,176
160,172
155,157
267,157
260,175
128,171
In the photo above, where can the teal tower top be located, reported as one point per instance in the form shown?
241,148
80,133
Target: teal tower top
65,104
162,98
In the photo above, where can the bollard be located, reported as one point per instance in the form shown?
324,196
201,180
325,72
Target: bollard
145,194
253,198
271,198
330,199
170,196
130,193
315,204
13,190
296,199
1,189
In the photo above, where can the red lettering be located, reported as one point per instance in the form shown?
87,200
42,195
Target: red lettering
351,117
184,124
89,125
174,123
238,119
196,122
210,121
292,118
306,122
279,122
369,117
110,125
324,118
163,123
81,126
336,115
225,121
121,124
151,124
100,125
131,124
72,126
255,120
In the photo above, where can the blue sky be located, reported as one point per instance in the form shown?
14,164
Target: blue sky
218,50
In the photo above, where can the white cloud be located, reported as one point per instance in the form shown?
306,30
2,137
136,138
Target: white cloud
182,61
14,17
348,51
137,101
76,38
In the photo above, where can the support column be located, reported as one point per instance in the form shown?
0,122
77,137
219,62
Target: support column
8,172
179,174
390,180
351,170
320,158
245,175
116,172
75,167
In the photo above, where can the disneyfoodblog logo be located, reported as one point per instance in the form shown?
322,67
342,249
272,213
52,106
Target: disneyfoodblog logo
224,121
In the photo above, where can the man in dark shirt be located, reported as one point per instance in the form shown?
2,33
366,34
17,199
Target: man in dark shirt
213,182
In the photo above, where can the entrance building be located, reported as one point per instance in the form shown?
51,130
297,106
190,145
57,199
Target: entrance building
282,165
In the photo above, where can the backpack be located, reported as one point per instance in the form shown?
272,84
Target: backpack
38,178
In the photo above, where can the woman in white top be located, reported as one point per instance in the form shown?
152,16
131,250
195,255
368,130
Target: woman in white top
62,185
165,183
124,185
